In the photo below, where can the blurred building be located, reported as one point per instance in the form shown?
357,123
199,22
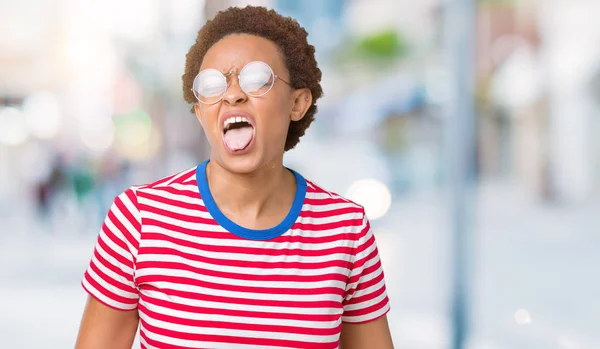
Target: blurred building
537,108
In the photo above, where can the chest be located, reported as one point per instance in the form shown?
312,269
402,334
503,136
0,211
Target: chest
214,274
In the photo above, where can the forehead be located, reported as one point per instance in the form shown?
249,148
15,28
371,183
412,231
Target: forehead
236,50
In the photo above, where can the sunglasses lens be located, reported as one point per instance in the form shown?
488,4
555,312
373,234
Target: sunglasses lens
256,79
209,86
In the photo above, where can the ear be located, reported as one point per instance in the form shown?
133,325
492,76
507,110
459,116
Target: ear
302,102
198,112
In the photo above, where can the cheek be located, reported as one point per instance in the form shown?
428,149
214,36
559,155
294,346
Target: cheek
276,116
208,115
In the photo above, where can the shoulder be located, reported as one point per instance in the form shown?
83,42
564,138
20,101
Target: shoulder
123,222
334,213
316,193
180,180
334,203
186,177
163,189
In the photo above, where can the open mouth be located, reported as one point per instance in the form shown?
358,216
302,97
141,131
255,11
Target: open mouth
237,133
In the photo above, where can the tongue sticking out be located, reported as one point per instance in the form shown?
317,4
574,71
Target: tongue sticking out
239,138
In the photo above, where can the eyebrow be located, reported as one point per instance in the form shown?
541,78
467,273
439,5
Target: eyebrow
224,72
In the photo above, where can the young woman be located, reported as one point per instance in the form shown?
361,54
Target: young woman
239,251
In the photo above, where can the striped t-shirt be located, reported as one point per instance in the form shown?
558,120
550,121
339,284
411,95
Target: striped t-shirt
199,280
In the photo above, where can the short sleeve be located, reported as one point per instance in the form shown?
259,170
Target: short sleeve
366,296
110,275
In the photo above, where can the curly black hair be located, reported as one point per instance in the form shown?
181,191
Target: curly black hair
285,32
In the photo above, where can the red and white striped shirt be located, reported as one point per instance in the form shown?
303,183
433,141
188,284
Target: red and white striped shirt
198,280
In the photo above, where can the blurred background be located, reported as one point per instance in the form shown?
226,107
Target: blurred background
504,234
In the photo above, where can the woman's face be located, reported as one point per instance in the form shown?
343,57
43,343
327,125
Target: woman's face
259,142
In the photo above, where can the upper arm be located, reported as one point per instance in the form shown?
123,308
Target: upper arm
103,327
369,335
364,321
109,277
110,317
366,297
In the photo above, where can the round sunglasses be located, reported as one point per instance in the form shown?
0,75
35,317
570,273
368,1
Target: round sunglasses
255,79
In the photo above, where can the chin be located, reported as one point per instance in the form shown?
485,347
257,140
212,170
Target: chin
240,164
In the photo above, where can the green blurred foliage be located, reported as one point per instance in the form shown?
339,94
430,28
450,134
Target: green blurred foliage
387,44
380,49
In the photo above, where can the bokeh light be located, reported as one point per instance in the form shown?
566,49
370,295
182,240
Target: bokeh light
97,136
373,195
522,317
13,130
42,115
133,135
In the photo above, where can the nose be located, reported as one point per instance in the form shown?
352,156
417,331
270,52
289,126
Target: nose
234,94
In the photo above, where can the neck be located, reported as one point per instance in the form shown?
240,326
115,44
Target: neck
250,195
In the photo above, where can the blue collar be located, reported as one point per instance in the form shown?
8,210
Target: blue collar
234,228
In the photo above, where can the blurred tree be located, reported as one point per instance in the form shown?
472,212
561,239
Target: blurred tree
377,49
387,44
